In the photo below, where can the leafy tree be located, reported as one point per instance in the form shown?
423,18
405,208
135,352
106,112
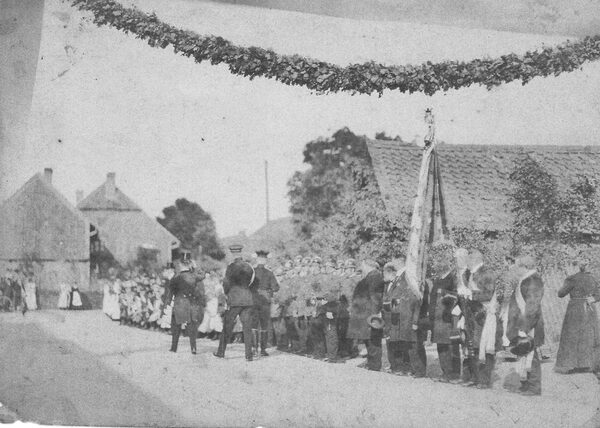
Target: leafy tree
336,204
194,227
535,201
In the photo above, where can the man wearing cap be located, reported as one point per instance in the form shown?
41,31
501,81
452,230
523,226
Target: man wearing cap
189,301
262,294
239,278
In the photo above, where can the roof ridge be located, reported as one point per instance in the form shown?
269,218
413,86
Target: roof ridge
492,147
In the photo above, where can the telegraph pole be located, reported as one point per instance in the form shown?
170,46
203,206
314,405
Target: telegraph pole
267,189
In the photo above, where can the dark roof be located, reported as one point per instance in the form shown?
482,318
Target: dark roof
97,200
475,178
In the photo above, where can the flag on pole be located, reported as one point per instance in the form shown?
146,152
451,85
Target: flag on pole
429,213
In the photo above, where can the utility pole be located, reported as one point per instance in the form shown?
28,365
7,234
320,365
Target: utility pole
267,189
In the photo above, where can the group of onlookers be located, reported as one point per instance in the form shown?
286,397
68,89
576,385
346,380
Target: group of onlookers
18,291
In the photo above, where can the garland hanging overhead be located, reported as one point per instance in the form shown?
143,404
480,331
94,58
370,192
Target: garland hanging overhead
323,77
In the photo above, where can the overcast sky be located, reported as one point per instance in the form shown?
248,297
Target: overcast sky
105,101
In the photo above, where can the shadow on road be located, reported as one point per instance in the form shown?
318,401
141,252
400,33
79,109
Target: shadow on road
50,381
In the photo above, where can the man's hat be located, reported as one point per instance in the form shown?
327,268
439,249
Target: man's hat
376,322
262,253
236,248
522,346
317,260
350,263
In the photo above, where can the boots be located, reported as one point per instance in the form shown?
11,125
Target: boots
255,342
264,335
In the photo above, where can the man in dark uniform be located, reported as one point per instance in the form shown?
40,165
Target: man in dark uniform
262,293
188,306
239,278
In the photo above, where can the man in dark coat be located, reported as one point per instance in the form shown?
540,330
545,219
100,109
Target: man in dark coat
366,301
237,285
442,302
401,310
262,293
189,302
525,323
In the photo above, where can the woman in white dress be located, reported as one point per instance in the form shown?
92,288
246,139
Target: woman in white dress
212,321
76,302
30,293
64,298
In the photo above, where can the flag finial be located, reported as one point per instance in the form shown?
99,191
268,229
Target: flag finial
430,121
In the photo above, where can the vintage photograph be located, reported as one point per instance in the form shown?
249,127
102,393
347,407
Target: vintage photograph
293,213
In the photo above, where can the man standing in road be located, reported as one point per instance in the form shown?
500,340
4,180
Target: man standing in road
189,302
262,293
239,278
366,301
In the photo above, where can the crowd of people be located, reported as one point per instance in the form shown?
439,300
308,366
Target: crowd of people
18,291
326,310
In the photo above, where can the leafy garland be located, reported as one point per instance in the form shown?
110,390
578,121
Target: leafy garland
324,77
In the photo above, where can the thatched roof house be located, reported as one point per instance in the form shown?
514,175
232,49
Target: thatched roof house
123,228
475,177
42,230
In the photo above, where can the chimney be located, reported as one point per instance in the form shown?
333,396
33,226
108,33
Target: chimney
78,196
111,188
48,175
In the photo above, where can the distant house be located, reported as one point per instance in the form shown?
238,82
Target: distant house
475,178
124,230
42,230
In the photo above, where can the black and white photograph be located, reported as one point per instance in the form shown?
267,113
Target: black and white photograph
300,213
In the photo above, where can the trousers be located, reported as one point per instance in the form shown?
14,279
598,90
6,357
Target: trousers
405,357
449,356
191,329
534,377
331,340
245,313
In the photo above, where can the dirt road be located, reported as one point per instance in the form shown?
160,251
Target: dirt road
81,368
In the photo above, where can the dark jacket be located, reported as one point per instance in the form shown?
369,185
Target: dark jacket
239,278
442,299
401,310
532,290
188,290
366,301
266,285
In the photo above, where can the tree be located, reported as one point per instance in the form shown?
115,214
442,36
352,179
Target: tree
336,204
194,228
545,212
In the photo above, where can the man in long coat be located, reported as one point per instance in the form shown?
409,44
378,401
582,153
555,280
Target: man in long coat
239,279
262,293
188,308
401,311
366,301
525,322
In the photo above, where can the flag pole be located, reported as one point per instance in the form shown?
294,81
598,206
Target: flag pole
428,222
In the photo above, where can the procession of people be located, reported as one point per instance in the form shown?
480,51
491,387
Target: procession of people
470,311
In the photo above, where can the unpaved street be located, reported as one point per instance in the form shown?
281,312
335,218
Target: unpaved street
81,368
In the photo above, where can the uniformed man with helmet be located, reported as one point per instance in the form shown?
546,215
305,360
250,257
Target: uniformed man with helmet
187,289
239,279
265,286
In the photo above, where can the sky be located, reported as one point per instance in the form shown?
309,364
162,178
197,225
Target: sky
168,127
